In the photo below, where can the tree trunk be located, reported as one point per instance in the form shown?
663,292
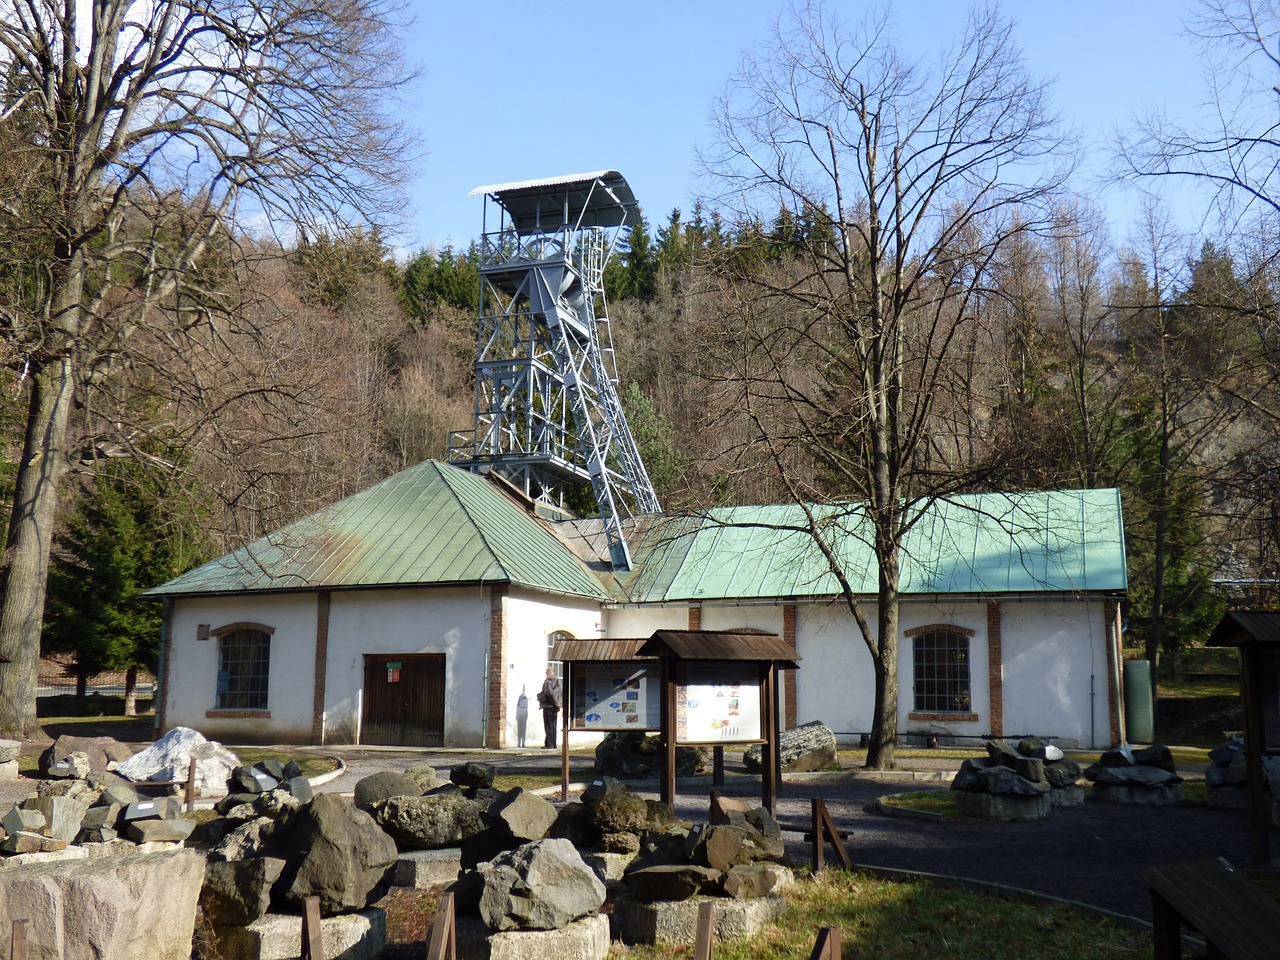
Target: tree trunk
884,725
82,687
26,559
131,692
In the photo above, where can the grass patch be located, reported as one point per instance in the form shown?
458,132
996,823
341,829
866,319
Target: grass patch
941,802
313,765
892,920
1202,686
1195,791
530,779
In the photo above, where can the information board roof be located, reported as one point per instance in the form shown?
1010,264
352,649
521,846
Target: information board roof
718,645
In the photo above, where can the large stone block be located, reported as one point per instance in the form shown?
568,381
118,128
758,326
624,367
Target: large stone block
112,908
351,936
633,921
421,869
585,939
810,746
996,806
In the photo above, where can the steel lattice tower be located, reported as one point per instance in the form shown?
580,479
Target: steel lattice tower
547,411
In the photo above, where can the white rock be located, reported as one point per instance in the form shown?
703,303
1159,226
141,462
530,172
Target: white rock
169,758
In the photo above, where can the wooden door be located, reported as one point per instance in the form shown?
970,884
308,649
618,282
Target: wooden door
403,699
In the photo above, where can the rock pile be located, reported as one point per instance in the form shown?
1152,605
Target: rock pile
1125,775
79,817
1017,783
810,746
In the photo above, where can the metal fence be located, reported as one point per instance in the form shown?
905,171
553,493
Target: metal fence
57,679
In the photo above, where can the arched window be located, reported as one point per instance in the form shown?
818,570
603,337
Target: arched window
244,665
941,659
552,637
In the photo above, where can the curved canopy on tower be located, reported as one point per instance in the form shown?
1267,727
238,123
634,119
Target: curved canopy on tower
600,199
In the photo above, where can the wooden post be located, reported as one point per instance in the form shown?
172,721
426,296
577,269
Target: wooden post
566,700
714,815
824,829
717,765
827,946
191,785
1254,748
312,941
668,779
706,935
1166,929
769,752
442,940
18,944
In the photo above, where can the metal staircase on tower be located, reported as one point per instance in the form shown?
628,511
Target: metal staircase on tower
547,412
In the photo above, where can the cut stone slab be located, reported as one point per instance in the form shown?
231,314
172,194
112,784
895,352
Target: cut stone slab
349,936
609,867
633,921
62,815
1066,796
9,770
9,750
1136,793
994,806
585,939
160,831
27,819
46,856
109,908
422,869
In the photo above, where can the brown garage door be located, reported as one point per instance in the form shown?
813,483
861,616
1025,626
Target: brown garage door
403,699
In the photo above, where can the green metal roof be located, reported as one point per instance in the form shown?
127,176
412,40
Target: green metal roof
1040,542
430,524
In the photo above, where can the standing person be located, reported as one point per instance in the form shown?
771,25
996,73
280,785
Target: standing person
549,701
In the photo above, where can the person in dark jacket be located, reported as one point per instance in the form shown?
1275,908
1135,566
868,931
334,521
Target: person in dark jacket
549,700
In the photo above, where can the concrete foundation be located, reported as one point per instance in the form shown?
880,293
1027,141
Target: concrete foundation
421,869
676,921
350,936
585,939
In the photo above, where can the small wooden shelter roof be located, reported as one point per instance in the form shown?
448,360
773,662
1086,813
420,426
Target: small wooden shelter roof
598,650
1246,626
718,645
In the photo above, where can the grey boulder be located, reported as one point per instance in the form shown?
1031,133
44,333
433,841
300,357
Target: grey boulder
538,886
810,746
429,822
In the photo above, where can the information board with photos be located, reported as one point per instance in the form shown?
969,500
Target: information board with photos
718,703
620,695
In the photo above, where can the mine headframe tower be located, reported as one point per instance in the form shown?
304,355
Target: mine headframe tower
547,412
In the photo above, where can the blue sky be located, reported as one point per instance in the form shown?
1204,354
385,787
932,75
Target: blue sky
517,90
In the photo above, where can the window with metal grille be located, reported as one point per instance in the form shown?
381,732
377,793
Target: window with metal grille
244,659
942,672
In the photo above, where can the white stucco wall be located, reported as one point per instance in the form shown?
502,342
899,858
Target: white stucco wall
452,621
1055,670
835,683
193,668
531,618
629,623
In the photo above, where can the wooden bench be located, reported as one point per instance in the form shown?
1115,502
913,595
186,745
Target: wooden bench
1237,920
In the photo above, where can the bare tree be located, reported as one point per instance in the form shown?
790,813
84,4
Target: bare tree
919,174
1234,150
253,112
